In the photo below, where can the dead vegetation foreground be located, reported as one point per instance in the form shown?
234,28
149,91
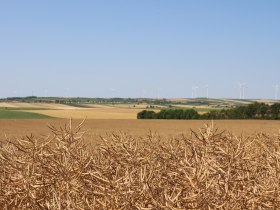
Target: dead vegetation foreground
206,170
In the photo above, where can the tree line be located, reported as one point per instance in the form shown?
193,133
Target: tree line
252,111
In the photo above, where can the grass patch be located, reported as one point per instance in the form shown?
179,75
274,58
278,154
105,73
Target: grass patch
12,114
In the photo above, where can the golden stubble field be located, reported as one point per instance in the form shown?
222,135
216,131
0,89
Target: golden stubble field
35,105
91,113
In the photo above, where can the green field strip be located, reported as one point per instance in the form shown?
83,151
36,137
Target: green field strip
9,114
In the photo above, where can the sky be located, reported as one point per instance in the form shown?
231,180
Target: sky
139,48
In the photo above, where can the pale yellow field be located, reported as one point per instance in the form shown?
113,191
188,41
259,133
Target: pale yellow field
115,106
37,105
133,106
191,107
100,106
95,113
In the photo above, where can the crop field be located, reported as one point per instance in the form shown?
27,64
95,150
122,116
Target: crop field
125,110
177,168
14,114
34,105
95,113
75,111
113,161
97,127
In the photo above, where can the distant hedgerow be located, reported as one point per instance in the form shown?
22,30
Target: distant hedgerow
251,111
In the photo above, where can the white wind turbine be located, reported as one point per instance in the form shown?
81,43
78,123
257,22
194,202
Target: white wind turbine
207,91
276,91
158,92
241,90
194,91
67,92
112,92
46,93
143,93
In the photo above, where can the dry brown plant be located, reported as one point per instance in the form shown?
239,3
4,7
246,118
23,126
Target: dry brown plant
206,170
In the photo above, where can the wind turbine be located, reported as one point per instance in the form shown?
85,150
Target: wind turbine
143,93
241,90
15,92
276,91
112,90
194,91
46,93
158,92
207,91
67,92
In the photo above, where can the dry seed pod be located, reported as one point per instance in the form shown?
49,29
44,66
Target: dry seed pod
206,170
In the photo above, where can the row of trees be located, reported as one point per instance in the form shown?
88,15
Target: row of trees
169,114
251,111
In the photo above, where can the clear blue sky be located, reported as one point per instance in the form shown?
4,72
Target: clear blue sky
131,48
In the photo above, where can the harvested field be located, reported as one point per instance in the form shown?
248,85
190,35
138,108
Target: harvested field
207,169
95,128
100,106
93,113
126,106
36,105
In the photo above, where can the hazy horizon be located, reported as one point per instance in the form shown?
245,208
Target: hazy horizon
153,98
134,49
